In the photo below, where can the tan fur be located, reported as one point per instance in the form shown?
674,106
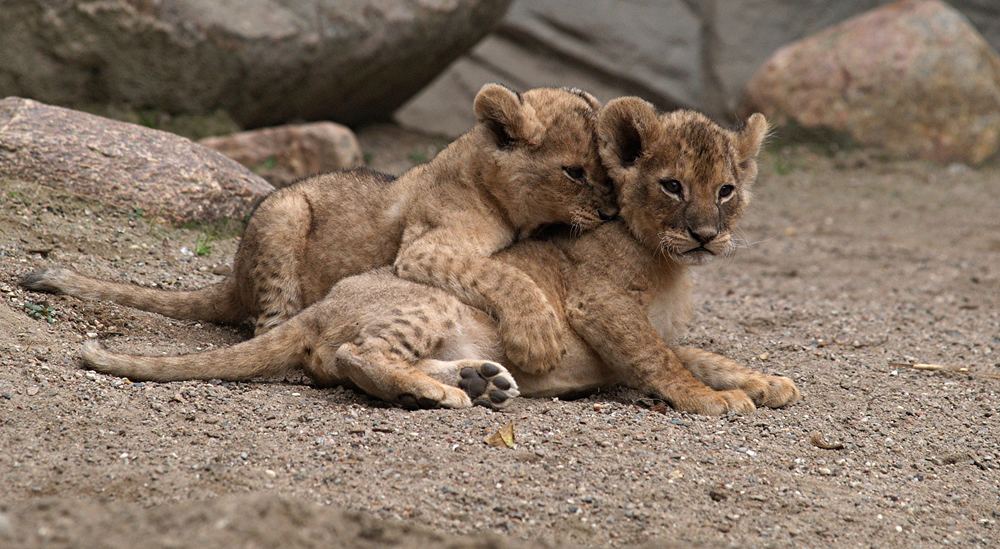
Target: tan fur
438,224
621,292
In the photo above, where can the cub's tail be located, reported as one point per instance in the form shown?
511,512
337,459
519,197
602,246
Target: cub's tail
219,303
272,353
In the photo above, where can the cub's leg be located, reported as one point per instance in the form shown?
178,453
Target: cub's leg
383,360
274,246
721,373
385,370
487,383
615,325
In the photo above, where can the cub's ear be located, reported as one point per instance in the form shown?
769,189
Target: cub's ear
627,127
751,137
594,103
507,116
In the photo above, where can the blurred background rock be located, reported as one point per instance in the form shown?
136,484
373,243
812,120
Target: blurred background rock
676,53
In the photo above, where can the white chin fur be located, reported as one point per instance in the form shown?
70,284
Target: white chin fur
699,258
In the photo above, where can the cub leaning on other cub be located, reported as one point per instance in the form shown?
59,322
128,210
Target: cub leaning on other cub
530,160
682,183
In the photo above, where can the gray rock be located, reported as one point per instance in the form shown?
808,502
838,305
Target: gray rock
676,53
262,61
913,78
283,154
122,164
5,527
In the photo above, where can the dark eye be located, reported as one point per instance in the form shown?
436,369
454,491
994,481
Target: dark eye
672,186
726,190
575,173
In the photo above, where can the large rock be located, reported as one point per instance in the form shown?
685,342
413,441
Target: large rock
122,164
254,520
283,154
676,53
912,77
263,61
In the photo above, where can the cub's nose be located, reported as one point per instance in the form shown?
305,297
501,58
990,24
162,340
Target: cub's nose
703,234
607,213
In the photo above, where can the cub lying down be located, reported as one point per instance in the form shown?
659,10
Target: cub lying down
530,160
681,182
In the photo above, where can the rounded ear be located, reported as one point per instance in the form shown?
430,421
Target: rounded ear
627,127
751,137
586,96
506,115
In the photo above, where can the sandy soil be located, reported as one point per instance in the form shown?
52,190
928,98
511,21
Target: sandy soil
856,270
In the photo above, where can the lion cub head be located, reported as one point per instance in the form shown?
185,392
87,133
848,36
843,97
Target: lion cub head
682,180
542,149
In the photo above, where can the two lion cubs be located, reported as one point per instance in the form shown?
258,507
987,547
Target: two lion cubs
417,290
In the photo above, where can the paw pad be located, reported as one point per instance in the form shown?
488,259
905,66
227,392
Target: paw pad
488,384
410,402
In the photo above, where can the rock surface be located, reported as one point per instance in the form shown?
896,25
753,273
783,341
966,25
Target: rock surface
283,154
263,61
246,520
675,53
914,78
122,164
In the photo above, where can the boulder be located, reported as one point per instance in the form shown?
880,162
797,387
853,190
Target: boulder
676,53
122,164
913,77
283,154
264,62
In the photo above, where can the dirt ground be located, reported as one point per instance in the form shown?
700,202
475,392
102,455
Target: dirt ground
857,269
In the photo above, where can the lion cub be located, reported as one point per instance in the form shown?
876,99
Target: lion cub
530,160
621,291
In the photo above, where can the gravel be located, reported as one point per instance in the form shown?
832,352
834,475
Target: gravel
856,270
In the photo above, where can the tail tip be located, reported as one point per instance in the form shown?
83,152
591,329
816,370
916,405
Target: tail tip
91,352
40,281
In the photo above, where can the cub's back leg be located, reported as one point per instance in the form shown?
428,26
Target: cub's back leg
271,257
382,360
486,382
721,373
385,370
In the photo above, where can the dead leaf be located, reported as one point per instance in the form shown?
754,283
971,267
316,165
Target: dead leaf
504,437
818,440
931,367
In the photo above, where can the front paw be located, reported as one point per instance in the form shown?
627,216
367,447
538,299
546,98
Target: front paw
533,343
772,391
709,402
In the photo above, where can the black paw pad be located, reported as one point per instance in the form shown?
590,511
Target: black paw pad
427,403
408,401
498,396
474,386
501,383
489,369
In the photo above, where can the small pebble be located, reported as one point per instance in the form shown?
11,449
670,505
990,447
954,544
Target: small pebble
270,473
5,527
825,471
717,494
92,335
